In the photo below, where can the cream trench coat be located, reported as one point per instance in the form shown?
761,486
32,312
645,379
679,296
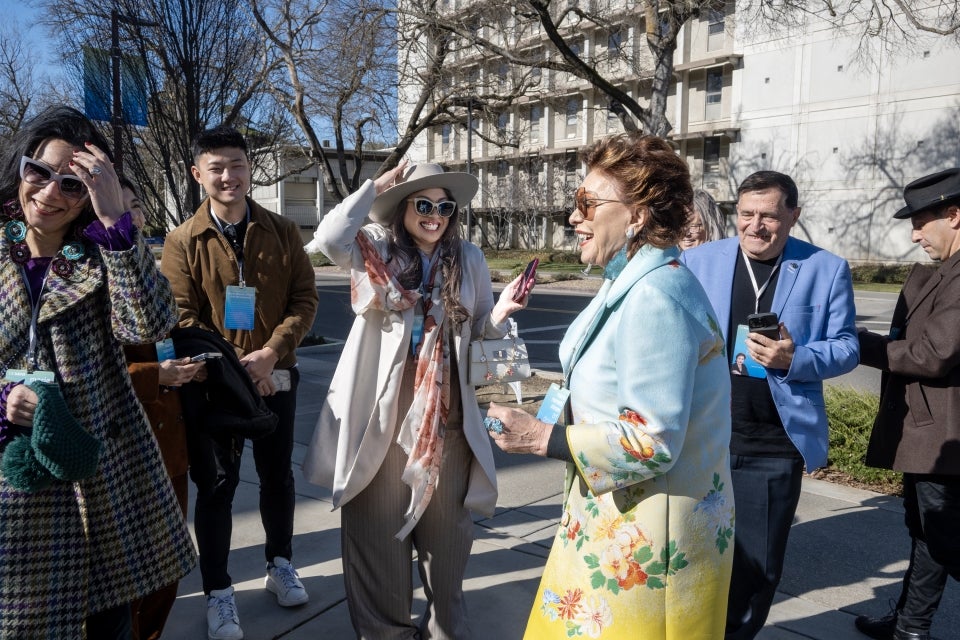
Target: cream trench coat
358,418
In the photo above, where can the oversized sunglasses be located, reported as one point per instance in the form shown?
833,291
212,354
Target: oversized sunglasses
39,175
587,205
426,207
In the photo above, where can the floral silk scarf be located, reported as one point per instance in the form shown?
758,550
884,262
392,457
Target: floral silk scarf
421,432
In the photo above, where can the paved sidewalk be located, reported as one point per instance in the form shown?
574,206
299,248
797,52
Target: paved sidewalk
847,553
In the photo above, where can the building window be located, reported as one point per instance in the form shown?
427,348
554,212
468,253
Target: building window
503,121
503,75
613,121
570,120
445,138
714,94
711,161
716,30
536,114
614,43
576,46
503,171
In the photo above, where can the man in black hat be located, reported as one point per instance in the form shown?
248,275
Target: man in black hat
917,429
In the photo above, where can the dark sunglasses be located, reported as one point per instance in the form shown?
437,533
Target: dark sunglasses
40,175
426,207
588,205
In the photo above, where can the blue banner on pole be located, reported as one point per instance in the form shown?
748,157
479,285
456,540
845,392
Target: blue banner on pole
97,96
98,93
133,91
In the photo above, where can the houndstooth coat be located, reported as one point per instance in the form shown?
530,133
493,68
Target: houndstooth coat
74,549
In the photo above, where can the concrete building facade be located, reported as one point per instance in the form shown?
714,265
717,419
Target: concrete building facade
852,120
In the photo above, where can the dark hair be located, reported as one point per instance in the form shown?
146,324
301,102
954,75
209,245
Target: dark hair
411,267
763,180
647,172
58,122
127,183
216,138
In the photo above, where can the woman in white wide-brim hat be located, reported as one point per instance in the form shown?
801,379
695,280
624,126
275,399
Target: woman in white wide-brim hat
400,440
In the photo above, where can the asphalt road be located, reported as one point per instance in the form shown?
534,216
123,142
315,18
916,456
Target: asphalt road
543,323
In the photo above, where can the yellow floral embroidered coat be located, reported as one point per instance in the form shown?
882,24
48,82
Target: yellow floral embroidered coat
644,548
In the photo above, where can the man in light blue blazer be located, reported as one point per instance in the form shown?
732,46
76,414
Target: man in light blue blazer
779,418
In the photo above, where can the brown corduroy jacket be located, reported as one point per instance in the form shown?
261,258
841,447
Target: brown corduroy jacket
200,264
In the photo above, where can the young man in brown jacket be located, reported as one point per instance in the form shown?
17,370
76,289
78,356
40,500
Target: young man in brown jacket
917,430
241,271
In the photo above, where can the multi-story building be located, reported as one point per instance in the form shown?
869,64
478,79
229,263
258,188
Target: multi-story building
303,195
850,118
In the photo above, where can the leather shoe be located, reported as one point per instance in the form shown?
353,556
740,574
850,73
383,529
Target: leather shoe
880,628
886,628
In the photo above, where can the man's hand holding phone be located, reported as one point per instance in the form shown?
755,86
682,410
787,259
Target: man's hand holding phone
774,347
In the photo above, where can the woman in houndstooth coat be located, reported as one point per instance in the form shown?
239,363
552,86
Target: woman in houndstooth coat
76,283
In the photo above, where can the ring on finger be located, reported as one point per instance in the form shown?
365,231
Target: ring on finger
493,425
95,171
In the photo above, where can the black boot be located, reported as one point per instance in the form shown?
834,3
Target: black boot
881,628
900,634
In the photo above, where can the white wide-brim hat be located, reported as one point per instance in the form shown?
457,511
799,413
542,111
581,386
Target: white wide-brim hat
462,187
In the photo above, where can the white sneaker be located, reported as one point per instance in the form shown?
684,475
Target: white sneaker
223,623
282,579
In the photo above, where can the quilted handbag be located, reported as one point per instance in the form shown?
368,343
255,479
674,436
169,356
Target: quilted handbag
497,361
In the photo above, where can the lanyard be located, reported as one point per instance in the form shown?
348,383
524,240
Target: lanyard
429,274
239,259
758,291
34,316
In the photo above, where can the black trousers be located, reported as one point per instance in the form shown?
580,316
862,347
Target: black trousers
766,492
215,469
932,516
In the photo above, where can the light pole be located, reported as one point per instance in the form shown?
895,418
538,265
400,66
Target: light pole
470,102
117,119
469,164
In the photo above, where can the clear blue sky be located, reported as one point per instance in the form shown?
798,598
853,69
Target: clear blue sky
33,35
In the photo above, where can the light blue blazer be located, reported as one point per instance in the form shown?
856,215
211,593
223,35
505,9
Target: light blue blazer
814,299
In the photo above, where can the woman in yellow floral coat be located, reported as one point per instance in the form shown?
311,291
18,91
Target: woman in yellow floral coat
644,548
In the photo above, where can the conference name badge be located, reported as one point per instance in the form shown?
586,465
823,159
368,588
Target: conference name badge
240,307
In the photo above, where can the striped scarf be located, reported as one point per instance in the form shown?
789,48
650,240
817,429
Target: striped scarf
421,432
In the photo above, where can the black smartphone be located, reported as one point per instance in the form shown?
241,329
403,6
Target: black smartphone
766,324
527,281
200,357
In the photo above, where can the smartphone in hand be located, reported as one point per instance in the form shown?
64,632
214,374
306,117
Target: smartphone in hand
200,357
766,324
527,281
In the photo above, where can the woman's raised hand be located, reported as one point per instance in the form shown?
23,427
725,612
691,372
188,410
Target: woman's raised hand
389,178
96,171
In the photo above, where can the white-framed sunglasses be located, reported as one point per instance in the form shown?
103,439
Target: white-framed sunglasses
38,174
425,207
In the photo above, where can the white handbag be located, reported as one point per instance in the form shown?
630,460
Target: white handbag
498,361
